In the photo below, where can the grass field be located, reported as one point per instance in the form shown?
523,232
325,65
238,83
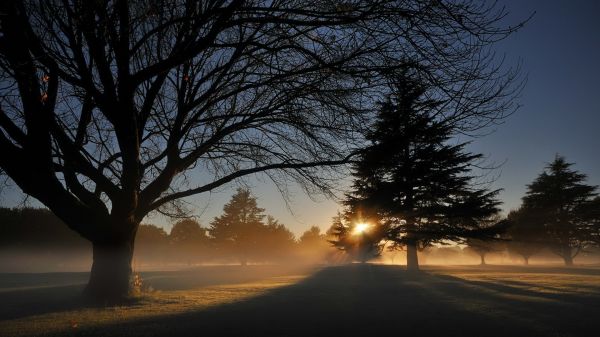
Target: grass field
352,300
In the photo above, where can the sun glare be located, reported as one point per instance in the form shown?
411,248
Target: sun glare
360,228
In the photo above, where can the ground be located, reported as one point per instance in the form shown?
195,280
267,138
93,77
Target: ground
351,300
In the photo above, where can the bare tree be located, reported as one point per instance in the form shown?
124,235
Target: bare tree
112,109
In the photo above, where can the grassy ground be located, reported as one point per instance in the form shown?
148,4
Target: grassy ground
354,300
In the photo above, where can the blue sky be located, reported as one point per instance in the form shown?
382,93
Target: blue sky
560,53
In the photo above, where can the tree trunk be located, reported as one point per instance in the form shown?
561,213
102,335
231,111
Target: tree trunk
111,271
482,259
412,260
568,259
526,259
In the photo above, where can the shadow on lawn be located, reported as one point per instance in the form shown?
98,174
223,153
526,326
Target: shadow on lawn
24,295
366,300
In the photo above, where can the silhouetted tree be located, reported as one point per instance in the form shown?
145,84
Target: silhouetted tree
527,236
560,201
484,247
237,231
108,106
359,237
592,212
417,178
37,229
152,244
189,240
312,237
313,245
276,242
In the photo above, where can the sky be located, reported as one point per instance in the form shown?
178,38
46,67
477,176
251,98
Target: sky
559,49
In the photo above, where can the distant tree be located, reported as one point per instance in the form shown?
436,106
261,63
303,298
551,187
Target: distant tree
313,245
526,235
483,247
312,237
560,201
37,229
188,240
151,244
361,238
275,242
416,178
237,231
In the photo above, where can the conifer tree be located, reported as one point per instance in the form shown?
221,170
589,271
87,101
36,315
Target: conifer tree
561,202
417,179
237,231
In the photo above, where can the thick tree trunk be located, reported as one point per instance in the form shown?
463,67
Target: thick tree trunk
482,260
412,260
111,271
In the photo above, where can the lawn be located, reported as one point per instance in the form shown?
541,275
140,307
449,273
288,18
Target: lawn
352,300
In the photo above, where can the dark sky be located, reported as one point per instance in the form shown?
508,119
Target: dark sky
560,113
560,53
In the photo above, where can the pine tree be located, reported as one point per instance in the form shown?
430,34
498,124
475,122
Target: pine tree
237,231
416,180
561,202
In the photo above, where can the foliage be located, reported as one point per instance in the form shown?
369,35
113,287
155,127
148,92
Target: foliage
484,247
560,201
189,240
152,244
361,245
527,236
37,229
416,179
241,231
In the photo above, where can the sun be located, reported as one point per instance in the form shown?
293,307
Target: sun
360,228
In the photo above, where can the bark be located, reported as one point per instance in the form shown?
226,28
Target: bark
111,271
412,260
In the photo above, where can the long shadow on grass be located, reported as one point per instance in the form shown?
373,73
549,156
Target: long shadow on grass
23,295
369,300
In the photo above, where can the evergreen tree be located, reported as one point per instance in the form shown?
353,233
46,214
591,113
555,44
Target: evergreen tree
276,242
416,180
526,235
563,204
238,229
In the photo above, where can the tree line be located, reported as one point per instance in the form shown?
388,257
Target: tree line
242,234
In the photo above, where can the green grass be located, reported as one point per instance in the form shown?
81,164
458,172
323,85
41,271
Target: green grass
354,300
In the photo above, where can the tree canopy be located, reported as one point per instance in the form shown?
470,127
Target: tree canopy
110,110
415,179
562,203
